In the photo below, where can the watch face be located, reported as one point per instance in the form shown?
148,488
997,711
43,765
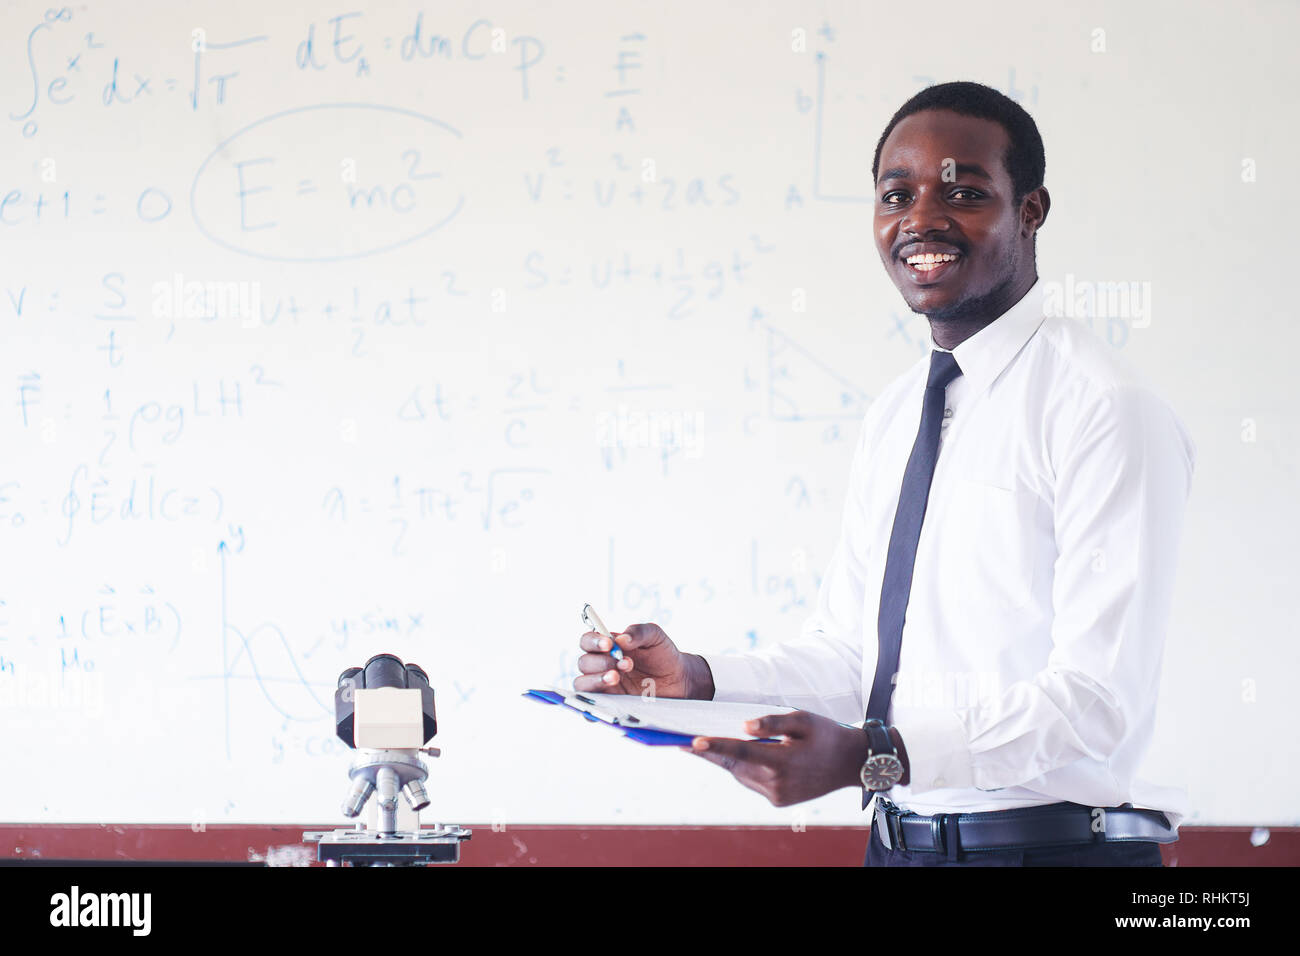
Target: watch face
882,771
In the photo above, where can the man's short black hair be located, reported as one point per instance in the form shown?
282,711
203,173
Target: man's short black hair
1025,160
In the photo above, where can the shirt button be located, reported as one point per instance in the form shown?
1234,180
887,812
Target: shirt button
947,413
938,782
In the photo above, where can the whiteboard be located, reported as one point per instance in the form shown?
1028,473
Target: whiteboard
413,328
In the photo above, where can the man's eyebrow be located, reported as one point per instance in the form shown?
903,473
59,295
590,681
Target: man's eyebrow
968,169
972,169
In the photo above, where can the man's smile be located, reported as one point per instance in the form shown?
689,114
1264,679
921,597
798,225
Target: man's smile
927,263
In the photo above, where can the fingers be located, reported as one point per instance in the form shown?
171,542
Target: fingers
752,764
594,641
596,684
726,749
593,663
641,635
600,672
726,763
796,725
636,636
600,663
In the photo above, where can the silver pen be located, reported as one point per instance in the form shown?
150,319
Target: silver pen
593,621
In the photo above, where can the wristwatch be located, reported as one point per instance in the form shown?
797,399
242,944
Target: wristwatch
882,768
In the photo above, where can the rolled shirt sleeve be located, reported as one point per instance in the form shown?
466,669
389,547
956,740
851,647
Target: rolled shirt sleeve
1122,487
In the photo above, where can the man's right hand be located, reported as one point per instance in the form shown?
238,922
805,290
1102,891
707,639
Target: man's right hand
651,665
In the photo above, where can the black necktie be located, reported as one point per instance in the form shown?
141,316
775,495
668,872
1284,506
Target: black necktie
897,585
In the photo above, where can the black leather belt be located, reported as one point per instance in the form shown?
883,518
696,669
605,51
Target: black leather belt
1056,824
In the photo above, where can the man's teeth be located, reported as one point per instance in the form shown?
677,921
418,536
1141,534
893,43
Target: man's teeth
925,262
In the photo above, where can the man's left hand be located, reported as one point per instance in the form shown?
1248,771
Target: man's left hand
817,756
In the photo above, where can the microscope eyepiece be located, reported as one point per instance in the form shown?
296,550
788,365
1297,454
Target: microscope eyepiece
385,670
382,670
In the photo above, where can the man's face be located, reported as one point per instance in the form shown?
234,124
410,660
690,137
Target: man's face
947,230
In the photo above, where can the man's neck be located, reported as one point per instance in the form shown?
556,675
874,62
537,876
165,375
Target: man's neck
951,329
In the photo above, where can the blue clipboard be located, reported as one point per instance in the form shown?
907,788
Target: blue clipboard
646,735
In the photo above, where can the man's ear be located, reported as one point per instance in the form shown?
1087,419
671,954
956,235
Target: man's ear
1033,210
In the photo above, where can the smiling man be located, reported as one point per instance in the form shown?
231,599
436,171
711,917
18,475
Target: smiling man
997,604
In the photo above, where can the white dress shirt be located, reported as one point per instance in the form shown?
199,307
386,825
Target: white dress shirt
1032,646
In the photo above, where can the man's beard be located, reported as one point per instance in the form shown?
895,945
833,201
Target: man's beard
981,308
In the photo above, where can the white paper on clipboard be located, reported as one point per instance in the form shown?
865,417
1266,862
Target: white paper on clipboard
698,718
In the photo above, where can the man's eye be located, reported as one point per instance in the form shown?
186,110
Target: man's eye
888,201
970,193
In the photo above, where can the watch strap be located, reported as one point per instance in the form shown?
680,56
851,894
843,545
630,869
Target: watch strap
878,740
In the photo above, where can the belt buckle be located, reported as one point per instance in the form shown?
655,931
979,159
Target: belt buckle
880,823
881,829
893,835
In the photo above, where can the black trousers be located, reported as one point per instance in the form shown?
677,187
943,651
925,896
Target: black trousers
1138,853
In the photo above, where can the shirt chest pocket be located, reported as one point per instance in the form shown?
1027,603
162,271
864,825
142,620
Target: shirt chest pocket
989,547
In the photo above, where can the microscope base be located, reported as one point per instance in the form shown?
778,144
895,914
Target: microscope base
439,844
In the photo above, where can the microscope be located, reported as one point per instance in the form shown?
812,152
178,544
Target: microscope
384,711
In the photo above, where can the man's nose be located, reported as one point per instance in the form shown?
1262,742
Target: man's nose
926,214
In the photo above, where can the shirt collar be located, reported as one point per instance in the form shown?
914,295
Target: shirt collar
985,355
